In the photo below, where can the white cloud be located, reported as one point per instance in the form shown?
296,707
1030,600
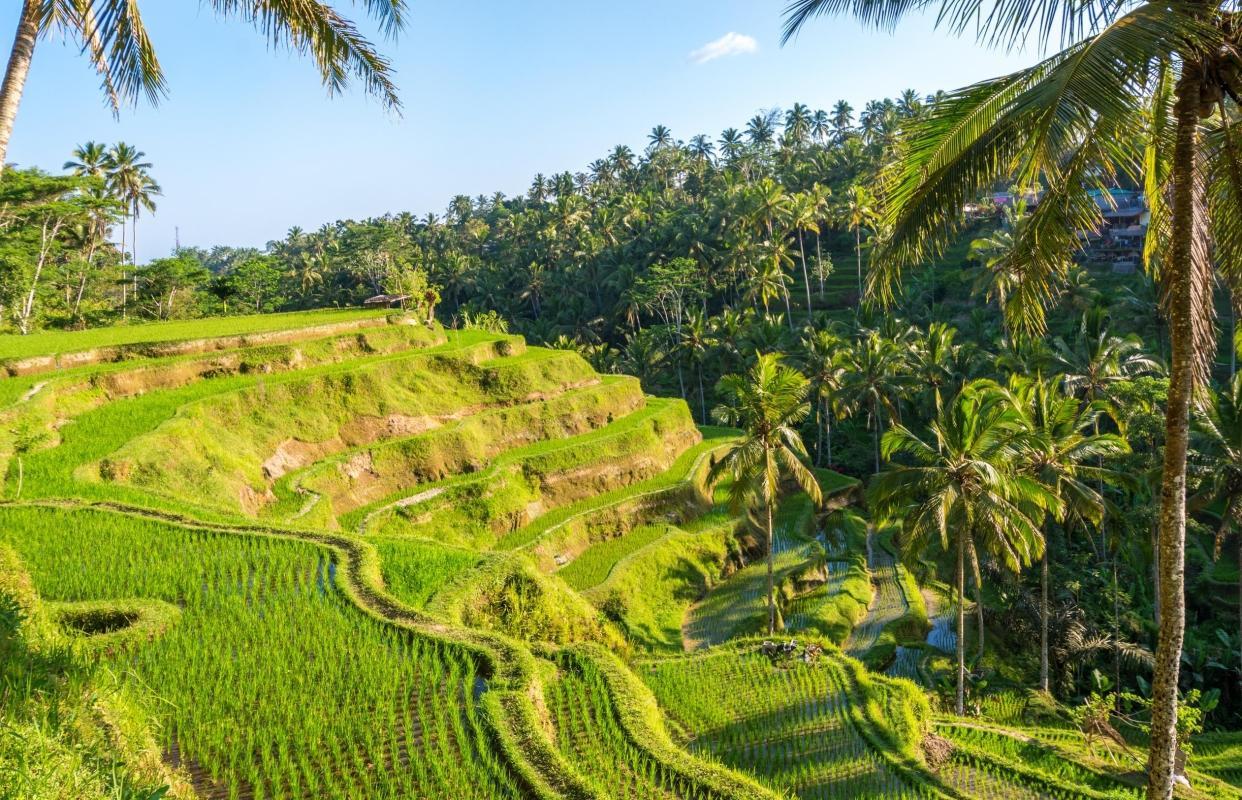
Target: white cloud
731,44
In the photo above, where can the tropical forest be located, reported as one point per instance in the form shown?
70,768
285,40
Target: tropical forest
873,449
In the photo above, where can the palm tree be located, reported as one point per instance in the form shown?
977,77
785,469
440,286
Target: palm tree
129,179
935,362
842,119
875,379
999,277
798,124
89,160
858,210
760,129
696,341
822,364
115,40
821,125
1064,439
659,138
1098,360
731,144
767,403
1138,88
1220,423
962,490
802,216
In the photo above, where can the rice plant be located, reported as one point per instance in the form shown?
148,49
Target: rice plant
790,727
272,684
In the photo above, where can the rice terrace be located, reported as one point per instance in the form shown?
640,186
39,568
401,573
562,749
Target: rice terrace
876,447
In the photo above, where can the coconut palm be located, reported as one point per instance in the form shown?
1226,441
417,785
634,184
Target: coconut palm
935,361
1139,89
697,342
802,216
130,181
1219,421
798,125
858,210
1062,452
1098,360
114,38
767,403
822,364
89,160
842,119
875,380
961,489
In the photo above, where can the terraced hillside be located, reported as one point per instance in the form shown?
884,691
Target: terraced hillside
350,555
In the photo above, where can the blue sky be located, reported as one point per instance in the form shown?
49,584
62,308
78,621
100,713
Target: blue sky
248,143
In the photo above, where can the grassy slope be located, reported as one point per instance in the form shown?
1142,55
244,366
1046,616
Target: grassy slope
649,590
56,342
102,431
475,508
376,473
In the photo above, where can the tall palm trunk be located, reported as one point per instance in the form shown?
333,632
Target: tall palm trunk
15,75
858,256
806,276
819,263
961,624
702,394
1187,227
771,558
828,430
1043,619
875,433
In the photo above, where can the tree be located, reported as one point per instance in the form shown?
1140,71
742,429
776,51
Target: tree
130,181
858,211
822,364
1000,276
35,210
767,403
874,379
1219,421
1063,441
114,38
163,279
697,342
962,490
802,217
255,280
1137,89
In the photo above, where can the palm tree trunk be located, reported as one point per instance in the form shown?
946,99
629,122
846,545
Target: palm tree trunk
1043,619
979,619
15,74
806,276
961,624
819,263
828,430
858,255
1187,226
771,558
1240,603
875,435
702,395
